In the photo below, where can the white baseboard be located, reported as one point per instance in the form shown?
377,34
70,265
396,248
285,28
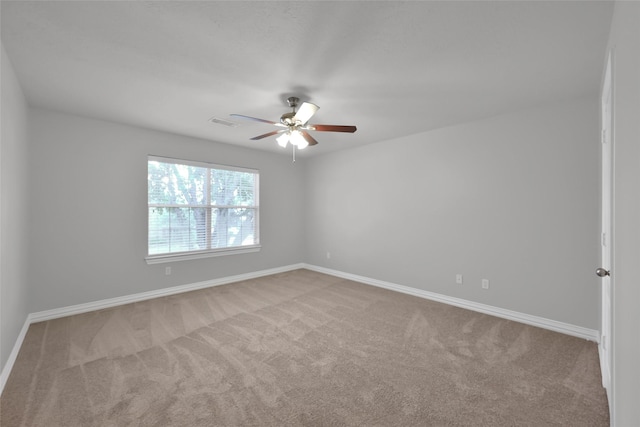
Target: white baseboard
541,322
127,299
6,370
41,316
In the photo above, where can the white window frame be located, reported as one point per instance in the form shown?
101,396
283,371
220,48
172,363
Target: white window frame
199,254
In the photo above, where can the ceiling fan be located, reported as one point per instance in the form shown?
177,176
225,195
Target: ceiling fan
296,125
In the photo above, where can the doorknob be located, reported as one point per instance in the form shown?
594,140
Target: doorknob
601,272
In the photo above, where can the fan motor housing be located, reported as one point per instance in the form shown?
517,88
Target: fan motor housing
287,119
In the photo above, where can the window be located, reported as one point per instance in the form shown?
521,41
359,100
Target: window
199,210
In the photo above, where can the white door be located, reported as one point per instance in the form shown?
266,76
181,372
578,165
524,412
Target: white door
606,236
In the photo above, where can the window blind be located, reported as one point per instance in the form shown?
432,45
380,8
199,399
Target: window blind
196,207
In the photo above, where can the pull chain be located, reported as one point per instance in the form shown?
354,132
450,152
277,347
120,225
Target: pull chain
294,153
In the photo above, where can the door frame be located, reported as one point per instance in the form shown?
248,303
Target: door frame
607,227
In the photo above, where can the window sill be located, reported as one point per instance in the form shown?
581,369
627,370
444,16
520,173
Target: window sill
185,256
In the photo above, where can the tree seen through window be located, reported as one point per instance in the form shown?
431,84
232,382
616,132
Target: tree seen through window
193,207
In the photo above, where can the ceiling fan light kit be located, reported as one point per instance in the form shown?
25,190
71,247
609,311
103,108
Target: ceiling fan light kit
296,126
294,137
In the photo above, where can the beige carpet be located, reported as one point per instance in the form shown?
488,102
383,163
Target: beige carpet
300,349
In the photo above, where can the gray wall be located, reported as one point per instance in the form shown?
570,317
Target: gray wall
513,199
625,40
88,235
14,175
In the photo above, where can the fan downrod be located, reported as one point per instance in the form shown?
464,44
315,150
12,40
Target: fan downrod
293,102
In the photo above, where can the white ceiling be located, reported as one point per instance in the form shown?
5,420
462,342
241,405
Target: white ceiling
390,68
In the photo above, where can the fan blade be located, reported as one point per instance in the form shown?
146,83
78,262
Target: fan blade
240,116
275,132
306,111
311,140
333,128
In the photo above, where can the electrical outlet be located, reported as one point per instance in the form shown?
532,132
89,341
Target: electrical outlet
485,283
459,279
328,255
167,271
